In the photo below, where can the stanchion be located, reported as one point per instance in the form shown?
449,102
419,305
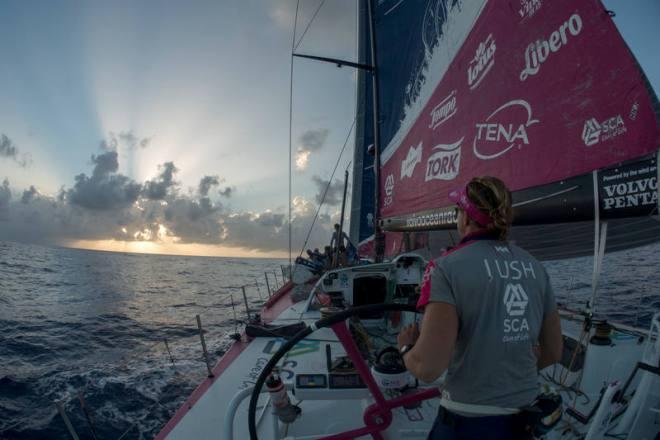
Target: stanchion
267,284
88,415
167,346
247,306
206,353
67,422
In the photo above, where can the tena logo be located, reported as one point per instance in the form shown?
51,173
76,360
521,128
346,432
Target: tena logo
515,299
412,159
594,132
539,51
445,163
389,190
443,111
496,136
483,61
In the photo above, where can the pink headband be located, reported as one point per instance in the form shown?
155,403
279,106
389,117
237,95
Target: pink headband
461,198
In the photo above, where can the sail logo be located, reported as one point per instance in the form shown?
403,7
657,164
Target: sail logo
443,111
504,129
594,131
483,61
445,162
389,190
630,194
412,159
539,51
528,8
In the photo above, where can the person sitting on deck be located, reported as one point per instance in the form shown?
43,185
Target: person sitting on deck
490,320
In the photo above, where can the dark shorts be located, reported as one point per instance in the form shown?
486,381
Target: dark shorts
450,426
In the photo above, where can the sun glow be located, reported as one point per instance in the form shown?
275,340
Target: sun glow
187,249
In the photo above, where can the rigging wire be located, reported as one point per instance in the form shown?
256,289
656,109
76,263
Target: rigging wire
325,191
308,25
293,46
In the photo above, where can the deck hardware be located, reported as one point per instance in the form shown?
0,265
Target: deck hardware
206,353
67,422
256,283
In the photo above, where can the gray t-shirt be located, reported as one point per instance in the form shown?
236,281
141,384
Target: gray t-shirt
502,295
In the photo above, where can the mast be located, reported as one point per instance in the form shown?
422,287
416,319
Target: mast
379,244
340,233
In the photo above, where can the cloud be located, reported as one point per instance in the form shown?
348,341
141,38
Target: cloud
103,204
309,141
5,196
125,139
206,183
9,150
29,194
157,189
105,189
333,194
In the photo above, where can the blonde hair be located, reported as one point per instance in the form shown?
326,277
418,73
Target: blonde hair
490,194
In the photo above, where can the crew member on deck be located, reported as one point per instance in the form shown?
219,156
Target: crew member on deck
490,320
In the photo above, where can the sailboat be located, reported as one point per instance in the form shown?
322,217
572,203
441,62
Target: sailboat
546,96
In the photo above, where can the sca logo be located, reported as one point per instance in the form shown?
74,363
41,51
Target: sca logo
445,162
503,130
483,61
539,51
515,299
389,190
594,131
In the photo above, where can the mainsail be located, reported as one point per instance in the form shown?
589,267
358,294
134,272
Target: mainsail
546,96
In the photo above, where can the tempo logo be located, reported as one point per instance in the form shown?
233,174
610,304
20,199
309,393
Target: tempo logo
515,299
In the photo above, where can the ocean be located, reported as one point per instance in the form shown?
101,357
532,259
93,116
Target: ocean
77,323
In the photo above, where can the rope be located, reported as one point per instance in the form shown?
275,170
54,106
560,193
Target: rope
325,192
308,25
293,42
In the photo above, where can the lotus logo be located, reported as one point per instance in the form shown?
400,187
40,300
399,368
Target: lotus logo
483,61
412,159
515,299
591,132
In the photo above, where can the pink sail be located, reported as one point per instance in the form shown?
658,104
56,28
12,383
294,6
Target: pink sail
532,98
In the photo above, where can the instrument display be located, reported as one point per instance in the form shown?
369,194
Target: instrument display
346,380
311,381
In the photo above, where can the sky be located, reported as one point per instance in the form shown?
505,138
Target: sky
163,126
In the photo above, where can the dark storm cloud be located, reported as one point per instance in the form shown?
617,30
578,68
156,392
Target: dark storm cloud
206,183
334,192
9,150
105,189
157,189
29,194
271,219
227,192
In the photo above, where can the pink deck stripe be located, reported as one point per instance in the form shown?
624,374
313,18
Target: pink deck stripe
276,304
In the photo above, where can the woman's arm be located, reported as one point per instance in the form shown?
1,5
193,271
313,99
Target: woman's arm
550,341
430,356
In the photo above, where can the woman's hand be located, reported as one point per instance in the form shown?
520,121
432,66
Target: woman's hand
408,335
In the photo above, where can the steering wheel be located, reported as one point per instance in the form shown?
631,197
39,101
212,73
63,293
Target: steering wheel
378,416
